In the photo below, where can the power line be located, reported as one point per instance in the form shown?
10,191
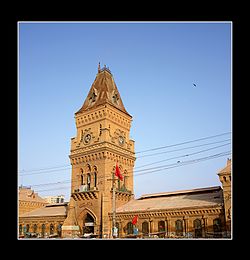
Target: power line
191,141
181,149
187,162
65,167
47,168
176,157
155,169
167,168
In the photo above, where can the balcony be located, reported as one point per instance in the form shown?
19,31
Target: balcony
85,193
123,189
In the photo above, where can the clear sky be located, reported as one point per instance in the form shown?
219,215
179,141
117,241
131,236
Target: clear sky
155,66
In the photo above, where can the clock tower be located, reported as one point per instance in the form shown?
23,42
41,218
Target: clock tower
102,141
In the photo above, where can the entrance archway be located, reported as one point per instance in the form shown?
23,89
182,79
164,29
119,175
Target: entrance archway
88,225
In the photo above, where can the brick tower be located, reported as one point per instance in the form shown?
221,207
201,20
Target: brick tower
102,141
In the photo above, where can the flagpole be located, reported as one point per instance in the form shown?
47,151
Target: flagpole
113,205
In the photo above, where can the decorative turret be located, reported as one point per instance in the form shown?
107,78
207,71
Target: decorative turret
225,178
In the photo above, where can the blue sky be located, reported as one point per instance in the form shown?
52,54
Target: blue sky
154,66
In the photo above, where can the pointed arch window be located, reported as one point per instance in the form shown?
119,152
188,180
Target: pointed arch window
161,228
129,228
145,228
27,228
59,230
118,227
88,181
95,176
43,230
197,228
125,180
95,179
35,228
51,229
82,177
20,229
217,227
179,227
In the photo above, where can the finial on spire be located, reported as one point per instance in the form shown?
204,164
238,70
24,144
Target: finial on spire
99,67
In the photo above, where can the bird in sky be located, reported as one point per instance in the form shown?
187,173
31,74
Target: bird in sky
194,85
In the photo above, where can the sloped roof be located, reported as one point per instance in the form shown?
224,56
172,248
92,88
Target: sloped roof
103,91
59,209
204,197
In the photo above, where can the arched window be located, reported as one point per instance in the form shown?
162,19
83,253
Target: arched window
35,228
43,229
117,226
129,228
197,228
179,227
24,229
161,228
125,176
27,228
95,179
217,227
118,184
51,229
59,230
88,181
20,229
145,228
82,178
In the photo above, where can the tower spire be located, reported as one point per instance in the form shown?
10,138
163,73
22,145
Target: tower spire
99,67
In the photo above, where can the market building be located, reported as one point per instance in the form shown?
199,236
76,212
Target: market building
103,205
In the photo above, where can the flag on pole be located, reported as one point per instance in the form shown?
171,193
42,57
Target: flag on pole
135,219
118,172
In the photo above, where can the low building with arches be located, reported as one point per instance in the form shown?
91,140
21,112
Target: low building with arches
196,213
43,222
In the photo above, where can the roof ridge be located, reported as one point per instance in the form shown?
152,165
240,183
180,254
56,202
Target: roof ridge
179,192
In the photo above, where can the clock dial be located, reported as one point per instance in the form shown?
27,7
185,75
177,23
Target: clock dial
87,138
121,140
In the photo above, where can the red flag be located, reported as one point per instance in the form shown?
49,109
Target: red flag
118,172
134,220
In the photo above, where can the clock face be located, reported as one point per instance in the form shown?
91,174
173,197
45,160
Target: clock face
87,138
121,140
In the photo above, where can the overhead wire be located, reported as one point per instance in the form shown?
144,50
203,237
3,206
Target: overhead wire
147,170
176,157
53,169
170,167
159,168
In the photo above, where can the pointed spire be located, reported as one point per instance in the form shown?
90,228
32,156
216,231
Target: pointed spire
103,91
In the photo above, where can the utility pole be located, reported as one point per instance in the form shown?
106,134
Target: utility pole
113,205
